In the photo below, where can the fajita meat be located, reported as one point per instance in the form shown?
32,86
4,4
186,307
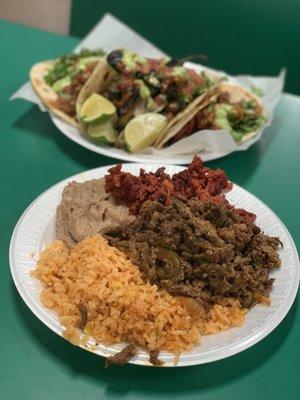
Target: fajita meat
200,250
123,356
153,358
83,316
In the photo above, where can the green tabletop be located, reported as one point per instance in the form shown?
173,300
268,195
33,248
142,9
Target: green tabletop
37,364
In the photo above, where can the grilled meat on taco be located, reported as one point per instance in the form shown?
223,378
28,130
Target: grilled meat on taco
137,86
59,82
227,107
151,85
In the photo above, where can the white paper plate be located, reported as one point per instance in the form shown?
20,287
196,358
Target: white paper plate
74,134
215,144
35,230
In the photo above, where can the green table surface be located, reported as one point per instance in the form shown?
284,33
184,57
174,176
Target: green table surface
36,363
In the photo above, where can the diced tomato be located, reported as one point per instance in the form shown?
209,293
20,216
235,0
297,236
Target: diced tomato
197,78
148,67
159,100
189,88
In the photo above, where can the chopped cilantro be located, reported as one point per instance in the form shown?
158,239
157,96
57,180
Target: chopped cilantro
198,90
232,116
206,79
249,104
250,123
66,65
184,98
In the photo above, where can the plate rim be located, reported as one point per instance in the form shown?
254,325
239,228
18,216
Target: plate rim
257,336
108,151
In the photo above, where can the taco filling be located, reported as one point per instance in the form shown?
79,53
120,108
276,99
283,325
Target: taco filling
154,90
241,118
151,85
68,75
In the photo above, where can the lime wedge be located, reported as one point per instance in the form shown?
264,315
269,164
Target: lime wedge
143,130
96,109
103,133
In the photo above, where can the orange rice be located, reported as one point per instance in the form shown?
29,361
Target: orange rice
120,306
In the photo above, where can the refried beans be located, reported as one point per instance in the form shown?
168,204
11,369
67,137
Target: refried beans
86,209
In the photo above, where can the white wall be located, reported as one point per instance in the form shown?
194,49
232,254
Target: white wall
49,15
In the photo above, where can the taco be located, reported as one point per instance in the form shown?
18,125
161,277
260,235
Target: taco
226,106
59,82
138,99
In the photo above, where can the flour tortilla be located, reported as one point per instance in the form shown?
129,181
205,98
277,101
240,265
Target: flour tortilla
186,115
237,94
